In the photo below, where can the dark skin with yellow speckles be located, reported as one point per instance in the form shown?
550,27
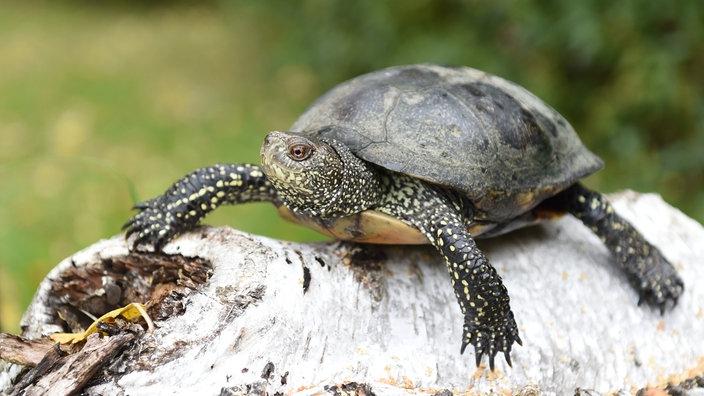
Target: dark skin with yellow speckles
192,197
444,217
324,179
649,272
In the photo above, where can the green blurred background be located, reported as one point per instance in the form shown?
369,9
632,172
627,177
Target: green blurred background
102,103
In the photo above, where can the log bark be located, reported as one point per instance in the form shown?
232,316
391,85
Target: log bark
261,316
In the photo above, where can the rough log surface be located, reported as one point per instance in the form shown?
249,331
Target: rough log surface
307,319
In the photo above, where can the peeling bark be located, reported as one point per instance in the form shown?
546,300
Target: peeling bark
59,374
18,350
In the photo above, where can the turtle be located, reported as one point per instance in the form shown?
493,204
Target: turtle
419,154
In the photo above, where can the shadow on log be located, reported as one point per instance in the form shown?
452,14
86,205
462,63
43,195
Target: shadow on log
242,314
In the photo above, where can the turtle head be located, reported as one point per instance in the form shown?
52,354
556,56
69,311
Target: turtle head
315,176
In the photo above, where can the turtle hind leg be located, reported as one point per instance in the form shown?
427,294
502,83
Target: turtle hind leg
655,279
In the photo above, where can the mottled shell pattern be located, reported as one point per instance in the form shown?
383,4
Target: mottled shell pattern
483,136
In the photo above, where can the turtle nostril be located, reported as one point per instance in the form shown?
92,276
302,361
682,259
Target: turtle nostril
272,138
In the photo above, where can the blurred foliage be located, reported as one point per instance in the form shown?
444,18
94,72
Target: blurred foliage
105,103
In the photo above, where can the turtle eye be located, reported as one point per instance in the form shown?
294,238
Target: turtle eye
300,151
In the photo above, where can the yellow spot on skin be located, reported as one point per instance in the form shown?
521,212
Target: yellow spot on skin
594,204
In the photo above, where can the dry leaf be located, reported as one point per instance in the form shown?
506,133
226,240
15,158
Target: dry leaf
129,312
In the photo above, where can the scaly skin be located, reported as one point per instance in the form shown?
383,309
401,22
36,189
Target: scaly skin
649,272
188,200
489,324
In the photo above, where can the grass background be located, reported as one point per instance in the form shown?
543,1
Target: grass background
105,103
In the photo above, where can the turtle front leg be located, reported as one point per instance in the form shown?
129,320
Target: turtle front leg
655,279
190,198
489,324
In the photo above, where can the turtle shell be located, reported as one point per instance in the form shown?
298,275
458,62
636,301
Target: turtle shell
486,137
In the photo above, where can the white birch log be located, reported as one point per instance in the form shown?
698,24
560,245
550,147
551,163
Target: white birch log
302,319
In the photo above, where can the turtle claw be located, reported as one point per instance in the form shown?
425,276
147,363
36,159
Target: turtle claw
153,225
489,342
654,278
658,283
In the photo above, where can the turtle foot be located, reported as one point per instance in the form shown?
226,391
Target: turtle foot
658,284
153,225
491,340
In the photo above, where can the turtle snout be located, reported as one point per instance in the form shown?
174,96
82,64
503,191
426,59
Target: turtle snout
270,137
269,141
272,148
275,138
